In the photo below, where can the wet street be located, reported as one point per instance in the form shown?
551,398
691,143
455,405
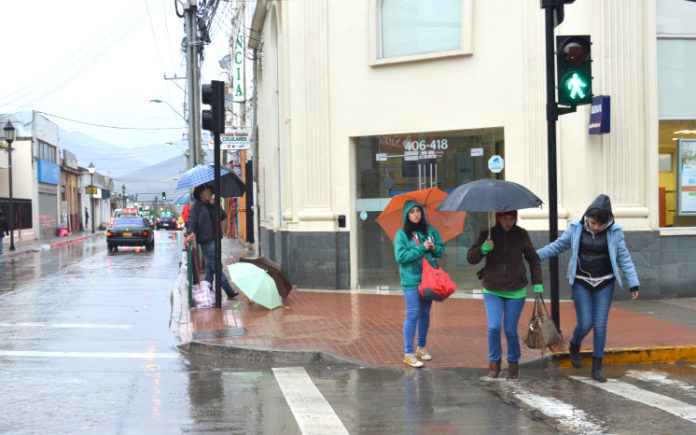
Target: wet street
86,345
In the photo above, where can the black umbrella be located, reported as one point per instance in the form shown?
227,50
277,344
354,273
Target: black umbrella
489,195
230,186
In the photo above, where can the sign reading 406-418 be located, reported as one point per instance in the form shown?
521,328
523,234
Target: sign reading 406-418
422,145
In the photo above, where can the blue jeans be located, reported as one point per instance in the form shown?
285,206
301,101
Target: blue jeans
417,315
592,311
1,237
209,253
503,314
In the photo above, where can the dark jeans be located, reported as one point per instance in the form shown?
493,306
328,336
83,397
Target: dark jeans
208,250
592,312
503,316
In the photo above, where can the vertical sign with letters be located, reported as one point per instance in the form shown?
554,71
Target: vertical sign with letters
238,94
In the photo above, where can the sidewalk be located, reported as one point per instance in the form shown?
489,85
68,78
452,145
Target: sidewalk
366,329
27,246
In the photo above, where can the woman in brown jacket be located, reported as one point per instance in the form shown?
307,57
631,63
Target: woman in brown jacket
505,285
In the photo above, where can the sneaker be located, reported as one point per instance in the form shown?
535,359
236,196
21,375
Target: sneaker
413,361
423,354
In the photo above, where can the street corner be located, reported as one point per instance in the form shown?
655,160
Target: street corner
633,356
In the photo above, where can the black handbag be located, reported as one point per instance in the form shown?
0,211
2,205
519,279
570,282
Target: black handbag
542,332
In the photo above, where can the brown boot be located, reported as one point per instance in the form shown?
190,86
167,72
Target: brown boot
513,370
493,369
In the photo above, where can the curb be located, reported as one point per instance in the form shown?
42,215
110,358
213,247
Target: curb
10,254
260,355
619,356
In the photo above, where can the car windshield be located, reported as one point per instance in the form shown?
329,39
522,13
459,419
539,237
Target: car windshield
129,223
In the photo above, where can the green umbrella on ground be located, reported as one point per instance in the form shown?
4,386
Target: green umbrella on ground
256,284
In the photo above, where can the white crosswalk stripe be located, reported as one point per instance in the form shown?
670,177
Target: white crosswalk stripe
313,413
566,414
645,397
663,379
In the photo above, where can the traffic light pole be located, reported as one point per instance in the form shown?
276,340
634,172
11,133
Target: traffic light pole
552,112
218,241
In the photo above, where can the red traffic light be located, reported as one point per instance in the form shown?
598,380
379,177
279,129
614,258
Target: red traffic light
576,51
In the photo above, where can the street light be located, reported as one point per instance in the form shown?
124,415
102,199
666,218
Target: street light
154,100
123,195
91,189
9,138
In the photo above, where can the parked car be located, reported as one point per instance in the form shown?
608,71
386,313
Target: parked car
130,231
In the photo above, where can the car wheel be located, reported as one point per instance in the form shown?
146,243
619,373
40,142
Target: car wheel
110,246
114,248
150,246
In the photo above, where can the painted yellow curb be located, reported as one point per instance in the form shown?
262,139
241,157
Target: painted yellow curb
634,355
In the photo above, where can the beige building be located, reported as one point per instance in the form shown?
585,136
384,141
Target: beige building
358,101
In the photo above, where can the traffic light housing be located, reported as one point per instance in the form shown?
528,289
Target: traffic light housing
574,69
213,94
164,196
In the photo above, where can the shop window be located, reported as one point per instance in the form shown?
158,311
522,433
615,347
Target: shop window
390,165
677,173
437,28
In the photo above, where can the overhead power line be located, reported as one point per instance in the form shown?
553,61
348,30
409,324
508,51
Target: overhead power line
109,126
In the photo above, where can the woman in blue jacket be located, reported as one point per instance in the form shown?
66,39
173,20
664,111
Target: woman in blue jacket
598,252
415,240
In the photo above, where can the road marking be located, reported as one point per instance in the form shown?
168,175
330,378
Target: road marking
313,413
129,355
648,398
568,416
663,379
62,325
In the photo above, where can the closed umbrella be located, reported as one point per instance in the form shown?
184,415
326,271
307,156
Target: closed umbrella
256,284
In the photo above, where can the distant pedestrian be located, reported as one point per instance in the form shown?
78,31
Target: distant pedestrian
185,212
200,226
505,285
412,242
86,219
598,252
3,228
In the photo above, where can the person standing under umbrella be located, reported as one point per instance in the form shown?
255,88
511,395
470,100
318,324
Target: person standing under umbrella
505,285
412,242
200,225
598,252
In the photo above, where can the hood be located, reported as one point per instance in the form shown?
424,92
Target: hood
408,206
602,202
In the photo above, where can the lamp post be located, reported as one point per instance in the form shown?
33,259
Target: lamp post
91,189
9,138
194,150
123,195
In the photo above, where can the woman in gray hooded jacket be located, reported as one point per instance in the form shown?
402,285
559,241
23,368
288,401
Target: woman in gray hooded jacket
598,252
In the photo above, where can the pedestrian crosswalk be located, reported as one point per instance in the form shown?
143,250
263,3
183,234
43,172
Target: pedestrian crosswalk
637,400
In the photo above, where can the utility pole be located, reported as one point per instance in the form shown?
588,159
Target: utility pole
193,81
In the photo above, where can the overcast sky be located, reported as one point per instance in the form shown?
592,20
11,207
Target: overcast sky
101,62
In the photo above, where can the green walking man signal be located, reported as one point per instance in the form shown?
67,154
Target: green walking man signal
574,69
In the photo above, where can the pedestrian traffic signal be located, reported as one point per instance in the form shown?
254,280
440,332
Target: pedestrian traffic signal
164,196
574,69
213,94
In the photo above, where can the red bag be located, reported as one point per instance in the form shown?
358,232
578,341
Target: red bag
436,284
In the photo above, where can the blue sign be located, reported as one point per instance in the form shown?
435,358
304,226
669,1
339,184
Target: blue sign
600,115
49,172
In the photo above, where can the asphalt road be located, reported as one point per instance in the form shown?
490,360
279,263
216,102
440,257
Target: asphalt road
86,346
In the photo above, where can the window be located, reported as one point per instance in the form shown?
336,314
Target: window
410,30
47,152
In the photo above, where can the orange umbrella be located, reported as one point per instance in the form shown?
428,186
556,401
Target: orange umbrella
448,223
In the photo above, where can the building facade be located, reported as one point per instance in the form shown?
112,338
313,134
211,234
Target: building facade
359,101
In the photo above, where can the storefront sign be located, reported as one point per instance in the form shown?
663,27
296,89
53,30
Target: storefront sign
476,152
381,157
496,164
600,112
363,215
48,172
234,140
238,92
686,177
90,190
